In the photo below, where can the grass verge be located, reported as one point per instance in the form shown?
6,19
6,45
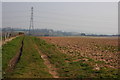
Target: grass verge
31,64
9,50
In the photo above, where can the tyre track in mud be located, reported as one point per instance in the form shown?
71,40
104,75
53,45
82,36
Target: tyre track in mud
51,68
12,63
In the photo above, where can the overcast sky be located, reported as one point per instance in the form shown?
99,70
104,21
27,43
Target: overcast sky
88,17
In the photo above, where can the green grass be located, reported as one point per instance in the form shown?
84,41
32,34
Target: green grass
9,50
54,56
31,64
79,69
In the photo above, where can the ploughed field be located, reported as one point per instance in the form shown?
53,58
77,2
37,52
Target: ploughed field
60,57
98,52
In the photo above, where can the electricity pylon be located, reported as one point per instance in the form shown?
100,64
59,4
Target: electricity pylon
31,27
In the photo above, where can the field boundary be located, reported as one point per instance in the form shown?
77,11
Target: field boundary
7,40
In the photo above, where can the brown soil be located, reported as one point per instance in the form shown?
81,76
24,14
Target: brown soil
98,49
